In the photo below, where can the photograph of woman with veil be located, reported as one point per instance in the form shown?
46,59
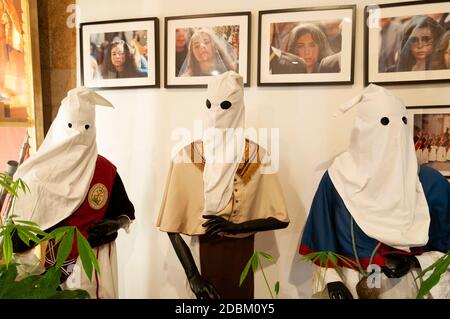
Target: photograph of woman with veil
210,52
406,43
200,46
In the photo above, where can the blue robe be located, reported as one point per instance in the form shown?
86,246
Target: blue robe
328,227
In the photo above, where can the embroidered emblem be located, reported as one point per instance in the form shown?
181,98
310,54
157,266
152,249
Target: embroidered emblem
97,196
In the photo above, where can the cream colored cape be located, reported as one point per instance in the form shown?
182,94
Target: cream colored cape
255,195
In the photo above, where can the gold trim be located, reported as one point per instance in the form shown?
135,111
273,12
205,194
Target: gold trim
245,170
36,73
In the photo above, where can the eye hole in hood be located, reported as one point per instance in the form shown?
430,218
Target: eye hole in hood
384,121
208,104
225,105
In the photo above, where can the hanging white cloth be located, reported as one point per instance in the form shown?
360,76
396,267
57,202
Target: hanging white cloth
377,176
224,140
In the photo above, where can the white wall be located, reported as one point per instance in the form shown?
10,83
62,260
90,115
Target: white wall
136,137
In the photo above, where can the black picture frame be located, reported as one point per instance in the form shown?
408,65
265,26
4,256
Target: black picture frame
429,150
145,32
221,24
273,70
391,69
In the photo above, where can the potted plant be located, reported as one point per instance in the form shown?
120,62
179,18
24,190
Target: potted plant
45,285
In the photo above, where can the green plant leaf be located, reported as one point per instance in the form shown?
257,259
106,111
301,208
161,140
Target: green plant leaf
277,288
23,237
440,267
7,243
322,259
10,189
244,272
35,286
427,285
332,258
26,222
267,256
7,278
24,187
255,262
33,230
64,248
347,261
58,233
28,233
311,256
7,183
87,256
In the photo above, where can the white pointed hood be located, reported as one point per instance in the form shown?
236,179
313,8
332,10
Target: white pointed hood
224,140
377,176
60,172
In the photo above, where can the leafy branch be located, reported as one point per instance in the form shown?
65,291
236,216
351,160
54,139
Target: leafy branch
12,186
254,262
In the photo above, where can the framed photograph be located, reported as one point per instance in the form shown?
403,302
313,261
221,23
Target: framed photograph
431,130
306,46
120,54
21,115
407,43
200,46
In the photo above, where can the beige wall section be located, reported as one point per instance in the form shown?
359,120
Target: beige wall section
58,55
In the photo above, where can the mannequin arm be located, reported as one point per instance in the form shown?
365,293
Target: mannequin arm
217,224
199,285
106,227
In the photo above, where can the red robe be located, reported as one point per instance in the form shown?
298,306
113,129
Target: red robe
92,209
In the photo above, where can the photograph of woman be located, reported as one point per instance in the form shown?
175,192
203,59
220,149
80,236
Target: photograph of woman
307,48
119,63
309,43
209,53
119,55
419,39
414,43
406,43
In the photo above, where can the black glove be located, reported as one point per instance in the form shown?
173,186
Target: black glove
399,265
95,241
217,224
337,290
107,227
202,288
